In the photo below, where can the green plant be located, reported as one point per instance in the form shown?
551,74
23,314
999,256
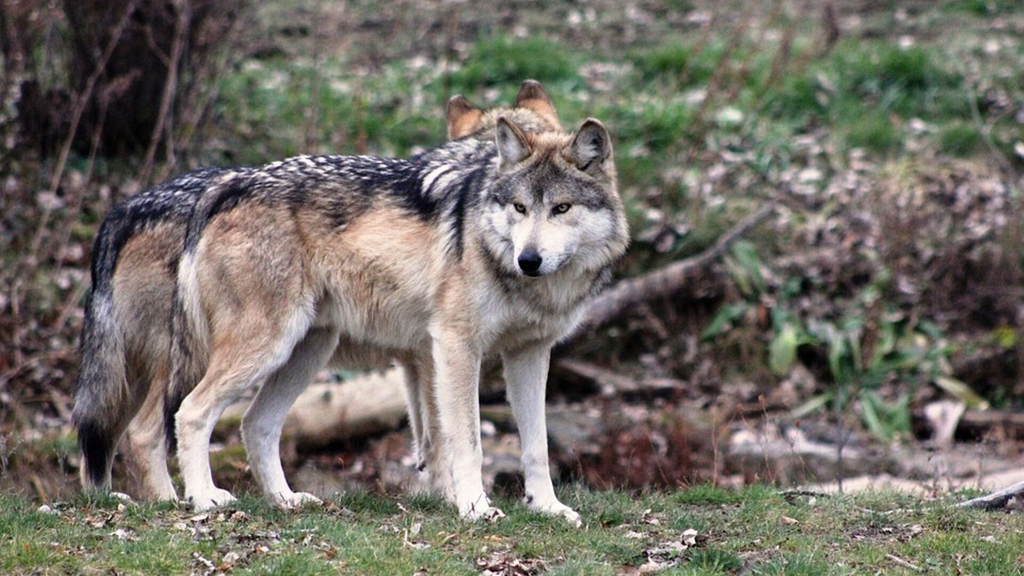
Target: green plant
872,344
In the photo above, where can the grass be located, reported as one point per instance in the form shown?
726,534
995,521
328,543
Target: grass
755,530
862,94
959,139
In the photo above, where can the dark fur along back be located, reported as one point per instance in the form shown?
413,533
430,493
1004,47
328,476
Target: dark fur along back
101,389
437,185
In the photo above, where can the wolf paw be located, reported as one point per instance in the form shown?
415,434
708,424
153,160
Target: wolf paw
212,499
556,508
295,500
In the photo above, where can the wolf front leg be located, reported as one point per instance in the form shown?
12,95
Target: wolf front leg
526,375
456,384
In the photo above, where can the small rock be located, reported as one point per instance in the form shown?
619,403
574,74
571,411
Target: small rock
488,429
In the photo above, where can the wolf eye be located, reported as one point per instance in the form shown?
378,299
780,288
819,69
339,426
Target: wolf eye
519,208
561,208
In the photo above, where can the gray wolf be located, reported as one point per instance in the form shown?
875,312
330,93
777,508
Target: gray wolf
125,341
481,246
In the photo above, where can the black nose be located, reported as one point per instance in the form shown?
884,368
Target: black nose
529,262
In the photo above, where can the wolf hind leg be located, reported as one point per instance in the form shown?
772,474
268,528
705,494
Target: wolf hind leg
436,473
414,407
236,365
263,421
147,445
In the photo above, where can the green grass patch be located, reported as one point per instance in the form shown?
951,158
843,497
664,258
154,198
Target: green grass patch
754,529
505,62
676,61
875,132
960,139
981,8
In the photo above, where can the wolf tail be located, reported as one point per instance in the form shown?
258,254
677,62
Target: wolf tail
102,397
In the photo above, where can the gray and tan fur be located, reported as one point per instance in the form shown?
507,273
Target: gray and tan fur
482,246
125,343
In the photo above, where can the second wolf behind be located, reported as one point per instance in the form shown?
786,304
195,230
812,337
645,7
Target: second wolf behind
478,247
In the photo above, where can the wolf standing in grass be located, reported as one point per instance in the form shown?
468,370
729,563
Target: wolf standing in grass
477,247
123,378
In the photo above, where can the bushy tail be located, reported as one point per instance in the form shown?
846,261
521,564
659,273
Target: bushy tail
102,396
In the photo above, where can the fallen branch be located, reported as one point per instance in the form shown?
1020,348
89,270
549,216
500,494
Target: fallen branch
327,413
665,281
610,383
996,499
978,423
904,563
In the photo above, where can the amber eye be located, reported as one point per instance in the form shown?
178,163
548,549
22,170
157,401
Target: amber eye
519,208
561,208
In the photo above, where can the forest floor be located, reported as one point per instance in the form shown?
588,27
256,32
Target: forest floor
699,531
873,327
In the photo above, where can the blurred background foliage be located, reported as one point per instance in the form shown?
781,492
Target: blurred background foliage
891,134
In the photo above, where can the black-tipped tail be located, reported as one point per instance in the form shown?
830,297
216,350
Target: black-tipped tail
97,444
102,398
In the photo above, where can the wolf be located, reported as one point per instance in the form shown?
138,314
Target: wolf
125,342
481,246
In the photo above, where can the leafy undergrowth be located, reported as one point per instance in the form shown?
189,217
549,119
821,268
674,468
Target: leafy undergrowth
701,530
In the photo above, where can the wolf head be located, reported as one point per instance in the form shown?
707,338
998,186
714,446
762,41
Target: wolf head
554,204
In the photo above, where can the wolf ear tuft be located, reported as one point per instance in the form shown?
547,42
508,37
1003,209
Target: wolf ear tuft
462,117
591,146
533,97
512,145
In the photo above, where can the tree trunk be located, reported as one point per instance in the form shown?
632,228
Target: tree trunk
133,81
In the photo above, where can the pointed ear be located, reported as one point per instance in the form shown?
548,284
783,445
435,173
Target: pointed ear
591,147
512,145
533,97
462,117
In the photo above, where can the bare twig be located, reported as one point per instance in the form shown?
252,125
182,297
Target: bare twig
985,131
76,118
743,74
312,136
664,281
779,63
170,88
199,101
903,563
721,67
77,198
37,485
995,499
